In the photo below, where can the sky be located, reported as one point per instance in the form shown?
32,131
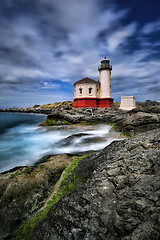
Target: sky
47,45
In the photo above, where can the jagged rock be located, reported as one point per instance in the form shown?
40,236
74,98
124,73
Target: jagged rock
139,122
84,138
148,103
132,122
120,200
69,140
77,115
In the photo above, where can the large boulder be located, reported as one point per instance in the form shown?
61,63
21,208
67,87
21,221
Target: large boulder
137,122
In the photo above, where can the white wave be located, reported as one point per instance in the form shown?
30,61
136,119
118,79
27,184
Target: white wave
25,144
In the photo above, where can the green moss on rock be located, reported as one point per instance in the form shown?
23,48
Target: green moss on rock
53,121
114,126
68,184
57,105
26,232
70,180
125,134
27,170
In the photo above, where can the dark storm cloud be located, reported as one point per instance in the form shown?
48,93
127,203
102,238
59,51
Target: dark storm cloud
155,89
15,56
43,41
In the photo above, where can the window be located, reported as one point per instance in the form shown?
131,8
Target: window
80,90
90,90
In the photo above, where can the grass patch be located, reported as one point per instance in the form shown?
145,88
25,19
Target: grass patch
27,170
116,104
125,134
114,126
54,121
36,106
27,231
57,105
70,180
68,184
91,123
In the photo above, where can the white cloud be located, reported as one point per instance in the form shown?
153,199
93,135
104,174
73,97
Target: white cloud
47,85
120,36
151,27
66,40
82,21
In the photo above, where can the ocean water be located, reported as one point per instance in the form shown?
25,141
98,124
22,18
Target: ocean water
23,141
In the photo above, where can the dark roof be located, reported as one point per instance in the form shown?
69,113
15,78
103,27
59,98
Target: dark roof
85,80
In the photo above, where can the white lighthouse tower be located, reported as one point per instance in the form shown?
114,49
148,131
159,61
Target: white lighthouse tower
105,69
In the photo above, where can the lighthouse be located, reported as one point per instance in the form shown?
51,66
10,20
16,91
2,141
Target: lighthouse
105,69
91,93
105,79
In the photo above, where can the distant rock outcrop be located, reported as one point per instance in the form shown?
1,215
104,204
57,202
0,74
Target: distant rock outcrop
148,103
145,117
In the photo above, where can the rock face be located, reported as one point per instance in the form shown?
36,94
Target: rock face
132,122
120,195
144,118
77,115
80,139
28,110
148,103
24,191
139,121
120,199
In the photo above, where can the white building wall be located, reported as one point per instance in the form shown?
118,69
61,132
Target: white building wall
105,83
85,90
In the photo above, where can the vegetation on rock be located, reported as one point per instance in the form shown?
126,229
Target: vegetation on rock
70,180
23,192
116,104
53,121
57,105
36,106
120,200
67,184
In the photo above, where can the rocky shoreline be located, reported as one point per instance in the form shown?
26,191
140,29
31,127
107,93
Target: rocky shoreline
130,122
111,194
144,118
28,110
